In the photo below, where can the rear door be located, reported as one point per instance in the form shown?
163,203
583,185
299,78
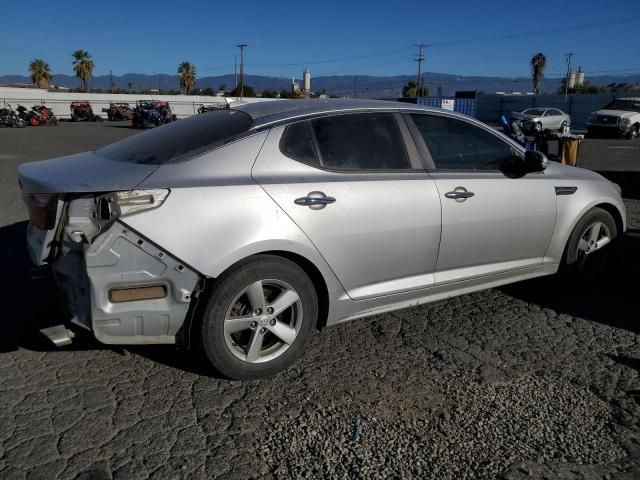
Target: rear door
355,185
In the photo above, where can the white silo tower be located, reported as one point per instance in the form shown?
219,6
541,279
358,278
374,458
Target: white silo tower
579,77
572,79
307,80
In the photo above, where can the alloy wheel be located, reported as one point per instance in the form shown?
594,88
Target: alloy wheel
596,236
263,321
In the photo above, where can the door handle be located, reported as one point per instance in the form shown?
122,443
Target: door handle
459,194
314,200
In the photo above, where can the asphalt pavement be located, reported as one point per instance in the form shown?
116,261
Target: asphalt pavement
534,380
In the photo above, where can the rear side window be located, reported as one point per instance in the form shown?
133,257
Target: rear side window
458,145
180,140
297,143
368,141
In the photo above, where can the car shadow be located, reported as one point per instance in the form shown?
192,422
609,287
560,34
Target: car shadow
605,298
121,125
29,305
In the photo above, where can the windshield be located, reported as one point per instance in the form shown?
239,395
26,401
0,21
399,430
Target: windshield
536,112
628,105
181,140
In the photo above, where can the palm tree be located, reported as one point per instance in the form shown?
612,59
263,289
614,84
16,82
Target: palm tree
538,64
40,73
83,67
187,73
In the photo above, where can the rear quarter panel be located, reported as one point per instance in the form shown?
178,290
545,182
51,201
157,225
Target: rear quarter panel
216,214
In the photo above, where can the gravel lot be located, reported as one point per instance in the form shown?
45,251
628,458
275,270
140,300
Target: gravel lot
533,380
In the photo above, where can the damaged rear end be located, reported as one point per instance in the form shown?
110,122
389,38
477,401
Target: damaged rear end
115,282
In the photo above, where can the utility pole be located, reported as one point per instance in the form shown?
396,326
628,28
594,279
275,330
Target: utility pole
235,70
419,58
566,83
241,47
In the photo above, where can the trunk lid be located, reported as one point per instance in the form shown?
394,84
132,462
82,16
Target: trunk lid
81,173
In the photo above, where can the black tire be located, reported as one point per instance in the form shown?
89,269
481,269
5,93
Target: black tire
563,126
634,132
225,292
596,261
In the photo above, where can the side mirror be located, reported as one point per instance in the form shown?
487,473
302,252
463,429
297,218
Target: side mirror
534,161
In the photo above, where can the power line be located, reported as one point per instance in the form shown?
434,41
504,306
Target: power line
547,31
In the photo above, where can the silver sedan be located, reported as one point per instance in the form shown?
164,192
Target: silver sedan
536,120
240,232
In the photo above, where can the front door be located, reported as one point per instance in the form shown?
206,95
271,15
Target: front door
491,221
364,200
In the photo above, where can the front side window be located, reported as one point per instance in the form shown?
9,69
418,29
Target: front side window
367,141
458,145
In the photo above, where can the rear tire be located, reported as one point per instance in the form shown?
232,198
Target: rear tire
591,242
241,334
33,121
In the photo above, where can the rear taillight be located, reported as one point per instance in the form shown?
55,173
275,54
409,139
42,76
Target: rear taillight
121,204
42,210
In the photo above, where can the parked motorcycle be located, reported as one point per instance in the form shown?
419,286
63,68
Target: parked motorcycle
38,115
9,118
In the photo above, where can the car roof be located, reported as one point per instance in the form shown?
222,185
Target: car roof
282,111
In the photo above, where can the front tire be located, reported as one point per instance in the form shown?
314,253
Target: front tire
634,132
590,243
564,126
258,318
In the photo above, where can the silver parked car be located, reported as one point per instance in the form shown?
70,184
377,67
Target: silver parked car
241,231
536,120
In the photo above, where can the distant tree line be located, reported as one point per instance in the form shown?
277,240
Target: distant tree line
83,67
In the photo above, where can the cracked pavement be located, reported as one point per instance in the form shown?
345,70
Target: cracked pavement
534,380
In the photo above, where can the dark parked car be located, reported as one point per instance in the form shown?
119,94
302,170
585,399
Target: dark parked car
119,111
151,112
212,108
82,111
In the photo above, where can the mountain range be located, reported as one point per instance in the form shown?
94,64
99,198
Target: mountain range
340,85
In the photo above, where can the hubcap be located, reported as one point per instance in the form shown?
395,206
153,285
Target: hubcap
263,321
595,237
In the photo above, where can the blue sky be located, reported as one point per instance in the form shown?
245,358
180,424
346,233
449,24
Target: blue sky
350,38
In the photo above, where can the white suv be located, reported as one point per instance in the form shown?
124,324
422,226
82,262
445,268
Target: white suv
620,117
